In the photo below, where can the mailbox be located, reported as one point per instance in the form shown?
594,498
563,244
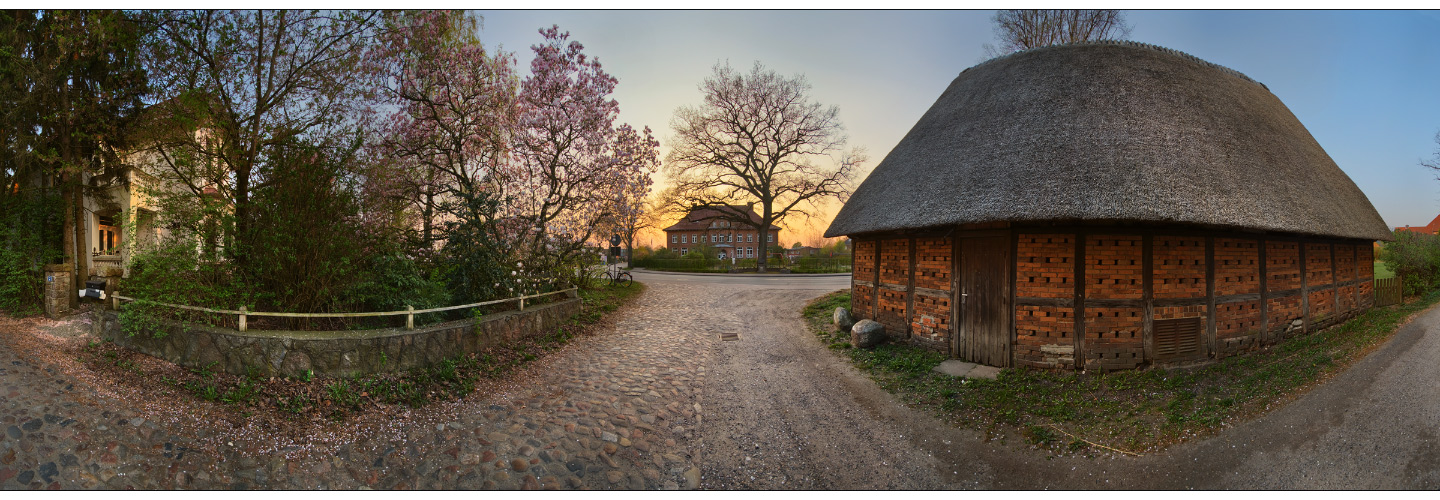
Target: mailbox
94,289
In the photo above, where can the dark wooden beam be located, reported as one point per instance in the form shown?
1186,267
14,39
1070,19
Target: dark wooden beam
1264,293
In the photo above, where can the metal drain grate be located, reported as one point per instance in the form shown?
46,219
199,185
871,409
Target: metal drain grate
729,336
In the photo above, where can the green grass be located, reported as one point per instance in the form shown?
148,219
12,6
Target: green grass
1134,411
1382,272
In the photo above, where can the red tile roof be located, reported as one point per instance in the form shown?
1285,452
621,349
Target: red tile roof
1432,228
701,218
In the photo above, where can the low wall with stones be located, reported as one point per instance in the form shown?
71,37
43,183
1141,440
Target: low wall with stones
337,353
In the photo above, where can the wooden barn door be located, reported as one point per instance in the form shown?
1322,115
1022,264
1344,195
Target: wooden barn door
983,292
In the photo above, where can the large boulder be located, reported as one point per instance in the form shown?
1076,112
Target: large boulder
843,321
867,333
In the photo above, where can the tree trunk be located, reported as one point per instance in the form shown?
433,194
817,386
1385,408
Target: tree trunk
69,246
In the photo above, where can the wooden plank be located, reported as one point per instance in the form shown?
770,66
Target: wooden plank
957,330
1242,297
1012,335
986,298
1044,301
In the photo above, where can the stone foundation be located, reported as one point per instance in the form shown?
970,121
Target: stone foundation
338,353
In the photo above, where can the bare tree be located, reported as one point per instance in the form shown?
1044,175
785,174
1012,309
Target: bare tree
1434,163
1027,29
759,139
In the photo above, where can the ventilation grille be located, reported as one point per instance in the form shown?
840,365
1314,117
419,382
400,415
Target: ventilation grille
1177,339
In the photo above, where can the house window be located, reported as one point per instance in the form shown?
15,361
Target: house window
673,238
108,235
712,238
684,250
750,238
770,238
749,251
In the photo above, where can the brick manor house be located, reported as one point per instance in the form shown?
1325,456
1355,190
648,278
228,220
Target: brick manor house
708,227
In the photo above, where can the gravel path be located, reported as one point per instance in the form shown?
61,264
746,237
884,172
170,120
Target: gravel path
660,402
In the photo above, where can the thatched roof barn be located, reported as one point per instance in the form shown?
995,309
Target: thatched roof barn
1131,150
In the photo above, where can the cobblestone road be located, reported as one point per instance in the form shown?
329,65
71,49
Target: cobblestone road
659,402
617,410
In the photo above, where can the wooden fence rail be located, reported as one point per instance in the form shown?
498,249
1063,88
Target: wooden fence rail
1387,291
409,311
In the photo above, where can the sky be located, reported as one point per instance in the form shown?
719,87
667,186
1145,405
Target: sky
1363,82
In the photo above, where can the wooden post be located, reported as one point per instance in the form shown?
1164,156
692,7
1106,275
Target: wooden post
522,303
409,317
242,318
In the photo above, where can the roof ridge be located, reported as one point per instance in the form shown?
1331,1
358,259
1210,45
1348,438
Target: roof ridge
1123,43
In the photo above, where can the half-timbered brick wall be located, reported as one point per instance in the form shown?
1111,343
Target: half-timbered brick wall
930,322
894,283
1045,270
862,276
1246,291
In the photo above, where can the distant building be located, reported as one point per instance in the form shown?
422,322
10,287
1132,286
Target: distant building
706,228
1432,228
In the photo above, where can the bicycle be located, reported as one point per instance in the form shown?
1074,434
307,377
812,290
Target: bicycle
617,277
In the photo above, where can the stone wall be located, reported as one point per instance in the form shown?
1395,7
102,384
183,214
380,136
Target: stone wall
342,353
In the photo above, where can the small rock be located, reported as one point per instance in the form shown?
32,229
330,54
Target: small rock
519,465
867,333
614,476
842,320
692,478
32,426
610,448
624,442
609,436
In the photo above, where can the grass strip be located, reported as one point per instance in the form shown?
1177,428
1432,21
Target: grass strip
1131,412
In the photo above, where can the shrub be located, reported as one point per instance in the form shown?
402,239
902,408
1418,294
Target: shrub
29,239
1415,258
174,272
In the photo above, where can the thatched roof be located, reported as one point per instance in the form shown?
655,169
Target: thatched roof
1109,131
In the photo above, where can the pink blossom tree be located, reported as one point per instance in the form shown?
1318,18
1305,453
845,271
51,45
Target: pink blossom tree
638,158
457,108
564,177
